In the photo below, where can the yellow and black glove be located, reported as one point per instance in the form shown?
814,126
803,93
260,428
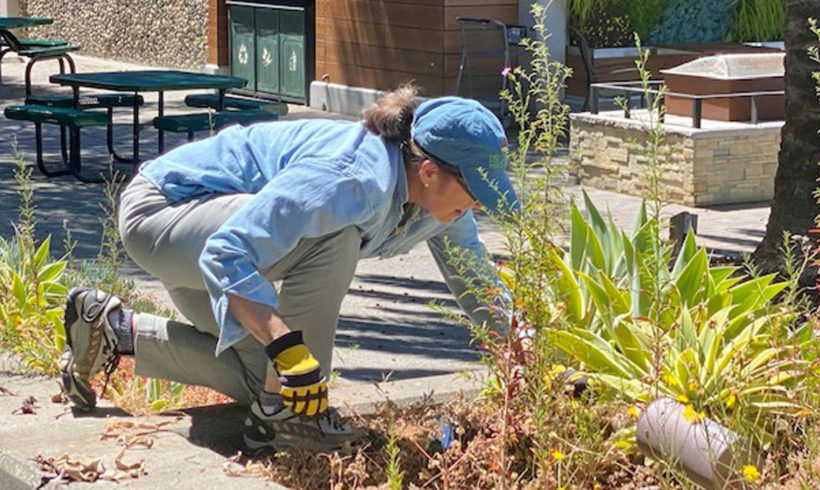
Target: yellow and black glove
303,388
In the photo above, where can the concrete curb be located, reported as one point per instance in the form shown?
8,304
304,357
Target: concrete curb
209,434
16,475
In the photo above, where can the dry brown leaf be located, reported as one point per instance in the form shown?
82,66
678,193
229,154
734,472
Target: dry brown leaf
75,470
58,398
4,391
28,407
64,467
128,470
130,434
234,468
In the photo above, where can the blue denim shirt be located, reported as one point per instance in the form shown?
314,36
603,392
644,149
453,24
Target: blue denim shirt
309,178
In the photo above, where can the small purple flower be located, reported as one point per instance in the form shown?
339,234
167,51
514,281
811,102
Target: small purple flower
506,71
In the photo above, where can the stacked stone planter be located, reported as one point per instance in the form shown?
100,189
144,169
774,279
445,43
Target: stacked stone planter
721,163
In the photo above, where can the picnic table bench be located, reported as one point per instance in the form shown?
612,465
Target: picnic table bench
34,49
66,117
207,121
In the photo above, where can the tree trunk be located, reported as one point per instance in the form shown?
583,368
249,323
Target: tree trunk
794,206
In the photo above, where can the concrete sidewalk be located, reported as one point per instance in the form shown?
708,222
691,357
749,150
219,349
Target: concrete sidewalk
389,340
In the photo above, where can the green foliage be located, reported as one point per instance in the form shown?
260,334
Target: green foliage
720,343
395,476
758,20
611,23
694,21
644,15
32,288
604,23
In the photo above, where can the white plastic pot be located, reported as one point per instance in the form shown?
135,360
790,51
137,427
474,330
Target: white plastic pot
703,450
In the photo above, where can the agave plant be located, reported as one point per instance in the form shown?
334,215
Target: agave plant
709,336
31,300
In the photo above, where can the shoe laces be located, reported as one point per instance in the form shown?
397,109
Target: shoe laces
110,366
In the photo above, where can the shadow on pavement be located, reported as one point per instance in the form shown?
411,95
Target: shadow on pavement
217,427
381,375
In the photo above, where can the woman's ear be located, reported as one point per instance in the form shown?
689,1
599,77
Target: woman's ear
427,172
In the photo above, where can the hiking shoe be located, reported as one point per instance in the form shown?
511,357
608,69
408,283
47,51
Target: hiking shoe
325,432
90,343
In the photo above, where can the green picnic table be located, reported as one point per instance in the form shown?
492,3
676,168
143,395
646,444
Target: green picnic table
159,81
18,22
34,49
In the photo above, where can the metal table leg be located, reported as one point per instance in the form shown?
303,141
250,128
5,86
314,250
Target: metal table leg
160,112
136,132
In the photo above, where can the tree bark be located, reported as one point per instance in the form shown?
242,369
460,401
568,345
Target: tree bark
794,207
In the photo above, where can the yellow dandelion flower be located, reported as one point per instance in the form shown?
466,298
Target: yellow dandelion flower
693,386
557,455
634,411
750,473
597,486
730,402
683,398
554,371
692,416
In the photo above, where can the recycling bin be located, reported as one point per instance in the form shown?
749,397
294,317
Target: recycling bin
271,45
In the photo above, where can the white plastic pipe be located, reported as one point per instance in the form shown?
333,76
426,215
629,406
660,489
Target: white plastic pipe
703,450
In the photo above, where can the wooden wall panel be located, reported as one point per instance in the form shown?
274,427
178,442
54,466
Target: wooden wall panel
383,43
359,76
380,35
421,62
381,13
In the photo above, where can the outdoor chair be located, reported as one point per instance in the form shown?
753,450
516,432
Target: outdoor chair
600,73
485,53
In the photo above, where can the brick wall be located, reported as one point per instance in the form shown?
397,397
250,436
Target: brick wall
730,164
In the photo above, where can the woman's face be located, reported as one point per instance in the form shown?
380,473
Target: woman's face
444,195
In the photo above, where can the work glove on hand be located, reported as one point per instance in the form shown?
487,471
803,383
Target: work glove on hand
303,388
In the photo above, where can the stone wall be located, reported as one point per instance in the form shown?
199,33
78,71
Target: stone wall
727,163
167,33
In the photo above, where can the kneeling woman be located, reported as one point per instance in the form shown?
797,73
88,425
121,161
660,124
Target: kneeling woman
219,220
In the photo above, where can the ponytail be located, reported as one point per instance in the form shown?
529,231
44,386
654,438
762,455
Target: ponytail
392,115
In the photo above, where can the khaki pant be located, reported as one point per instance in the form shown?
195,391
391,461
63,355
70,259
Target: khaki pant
166,239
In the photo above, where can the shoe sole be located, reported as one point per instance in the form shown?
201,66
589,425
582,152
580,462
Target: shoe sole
283,436
284,441
83,397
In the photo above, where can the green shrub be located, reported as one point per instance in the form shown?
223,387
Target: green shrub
694,21
758,20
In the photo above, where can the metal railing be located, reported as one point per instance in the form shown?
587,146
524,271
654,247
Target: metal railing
628,88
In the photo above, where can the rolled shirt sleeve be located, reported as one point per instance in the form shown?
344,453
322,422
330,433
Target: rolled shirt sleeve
306,200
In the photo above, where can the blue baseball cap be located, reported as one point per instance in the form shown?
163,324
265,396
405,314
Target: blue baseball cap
466,135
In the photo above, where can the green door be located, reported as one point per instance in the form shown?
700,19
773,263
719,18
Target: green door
292,52
242,44
267,50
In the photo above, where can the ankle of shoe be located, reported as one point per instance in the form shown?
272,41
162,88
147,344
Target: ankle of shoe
120,321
